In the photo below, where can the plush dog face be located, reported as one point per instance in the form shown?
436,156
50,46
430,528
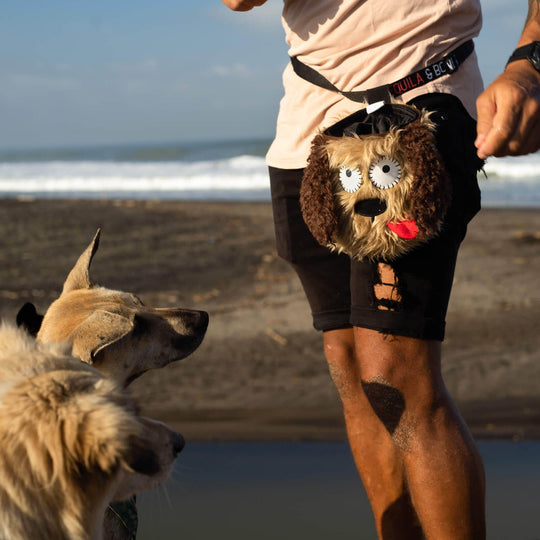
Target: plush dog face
377,195
71,440
114,330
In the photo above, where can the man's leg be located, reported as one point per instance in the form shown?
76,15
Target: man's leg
407,437
377,459
402,380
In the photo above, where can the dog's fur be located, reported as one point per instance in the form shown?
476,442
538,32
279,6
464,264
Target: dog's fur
114,330
71,440
422,195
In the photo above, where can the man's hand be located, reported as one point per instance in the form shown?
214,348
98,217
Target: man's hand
243,5
509,113
509,109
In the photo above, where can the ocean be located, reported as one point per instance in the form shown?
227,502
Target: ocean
210,171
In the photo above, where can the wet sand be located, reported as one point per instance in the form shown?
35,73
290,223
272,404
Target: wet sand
260,373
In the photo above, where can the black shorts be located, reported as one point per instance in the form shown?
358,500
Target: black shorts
408,296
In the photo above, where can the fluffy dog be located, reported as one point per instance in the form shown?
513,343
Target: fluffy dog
113,330
121,337
71,440
375,185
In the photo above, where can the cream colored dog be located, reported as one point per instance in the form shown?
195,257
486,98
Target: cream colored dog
121,337
70,441
113,330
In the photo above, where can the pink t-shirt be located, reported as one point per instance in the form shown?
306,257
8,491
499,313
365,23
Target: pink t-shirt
362,44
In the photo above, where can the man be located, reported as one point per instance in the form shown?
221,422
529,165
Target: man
417,460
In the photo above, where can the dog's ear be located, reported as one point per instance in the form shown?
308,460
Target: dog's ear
316,194
99,430
104,435
97,332
29,319
79,277
431,190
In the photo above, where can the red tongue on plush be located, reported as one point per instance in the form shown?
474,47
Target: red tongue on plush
404,229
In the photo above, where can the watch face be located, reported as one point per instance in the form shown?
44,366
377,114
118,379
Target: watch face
534,56
530,52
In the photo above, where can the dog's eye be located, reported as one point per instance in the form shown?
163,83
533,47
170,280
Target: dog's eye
385,173
351,179
140,326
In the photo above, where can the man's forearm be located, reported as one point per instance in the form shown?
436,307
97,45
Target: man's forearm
243,5
533,11
531,30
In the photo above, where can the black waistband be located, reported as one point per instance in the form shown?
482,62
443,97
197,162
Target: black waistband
449,64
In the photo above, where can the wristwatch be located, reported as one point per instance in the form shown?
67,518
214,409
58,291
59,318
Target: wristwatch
530,52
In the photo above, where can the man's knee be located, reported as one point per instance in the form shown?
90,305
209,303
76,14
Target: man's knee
406,410
387,402
340,355
401,381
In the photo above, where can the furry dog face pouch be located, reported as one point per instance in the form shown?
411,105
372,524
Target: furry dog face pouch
375,185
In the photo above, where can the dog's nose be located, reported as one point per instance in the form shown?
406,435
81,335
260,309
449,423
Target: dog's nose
370,207
196,320
178,443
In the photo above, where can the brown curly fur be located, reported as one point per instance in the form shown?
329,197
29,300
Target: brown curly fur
431,191
423,193
317,194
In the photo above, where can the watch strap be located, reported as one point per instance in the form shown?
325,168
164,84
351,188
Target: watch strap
530,52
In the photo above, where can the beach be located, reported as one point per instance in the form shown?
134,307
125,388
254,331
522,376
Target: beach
260,373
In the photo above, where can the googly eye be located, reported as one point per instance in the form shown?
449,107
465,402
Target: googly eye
385,173
351,179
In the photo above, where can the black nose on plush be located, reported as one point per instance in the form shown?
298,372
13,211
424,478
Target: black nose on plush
370,207
178,443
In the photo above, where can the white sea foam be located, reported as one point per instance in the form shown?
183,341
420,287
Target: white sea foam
521,168
236,174
510,181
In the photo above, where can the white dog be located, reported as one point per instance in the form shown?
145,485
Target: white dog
71,441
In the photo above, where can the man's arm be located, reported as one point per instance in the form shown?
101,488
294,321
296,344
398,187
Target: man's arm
243,5
509,109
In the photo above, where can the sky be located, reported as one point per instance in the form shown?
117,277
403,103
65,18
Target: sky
75,73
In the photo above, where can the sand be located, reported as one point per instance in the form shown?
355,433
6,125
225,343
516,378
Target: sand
260,373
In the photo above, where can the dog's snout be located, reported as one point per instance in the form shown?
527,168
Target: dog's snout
182,320
370,207
196,319
178,443
192,330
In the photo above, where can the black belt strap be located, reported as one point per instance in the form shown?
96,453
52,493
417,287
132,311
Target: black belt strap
449,64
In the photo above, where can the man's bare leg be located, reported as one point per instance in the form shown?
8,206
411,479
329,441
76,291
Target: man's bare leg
377,459
407,437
